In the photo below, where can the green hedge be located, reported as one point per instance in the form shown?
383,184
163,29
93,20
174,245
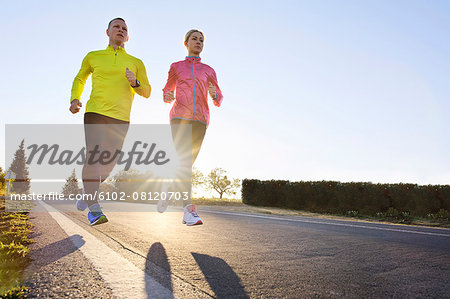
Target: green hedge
336,197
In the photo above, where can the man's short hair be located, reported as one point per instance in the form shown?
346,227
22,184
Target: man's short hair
109,24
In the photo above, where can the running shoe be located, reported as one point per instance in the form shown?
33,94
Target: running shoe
81,204
190,216
95,215
163,203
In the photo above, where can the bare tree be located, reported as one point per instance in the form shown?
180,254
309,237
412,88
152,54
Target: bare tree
218,181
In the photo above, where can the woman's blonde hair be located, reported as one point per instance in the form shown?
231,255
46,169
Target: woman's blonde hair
189,33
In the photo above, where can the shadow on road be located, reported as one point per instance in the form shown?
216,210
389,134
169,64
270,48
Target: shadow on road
54,251
222,279
157,267
220,276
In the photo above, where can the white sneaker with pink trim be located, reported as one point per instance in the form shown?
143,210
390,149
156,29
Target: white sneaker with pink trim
163,203
190,216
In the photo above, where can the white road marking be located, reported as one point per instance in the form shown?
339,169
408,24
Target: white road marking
124,278
330,223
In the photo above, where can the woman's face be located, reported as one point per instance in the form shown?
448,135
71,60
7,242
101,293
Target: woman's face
195,44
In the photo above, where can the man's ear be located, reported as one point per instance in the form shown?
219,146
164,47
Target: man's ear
128,37
107,32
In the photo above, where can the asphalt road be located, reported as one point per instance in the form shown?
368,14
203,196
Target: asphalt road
239,255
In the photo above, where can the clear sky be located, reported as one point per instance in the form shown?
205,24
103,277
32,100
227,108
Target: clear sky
313,90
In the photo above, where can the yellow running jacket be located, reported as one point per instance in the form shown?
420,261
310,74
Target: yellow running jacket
112,94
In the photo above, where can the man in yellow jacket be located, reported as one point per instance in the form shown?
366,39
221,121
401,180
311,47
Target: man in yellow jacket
116,77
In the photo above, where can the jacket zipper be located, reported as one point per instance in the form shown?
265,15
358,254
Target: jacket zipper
115,57
193,84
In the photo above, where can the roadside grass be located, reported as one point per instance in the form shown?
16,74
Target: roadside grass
218,202
15,229
439,219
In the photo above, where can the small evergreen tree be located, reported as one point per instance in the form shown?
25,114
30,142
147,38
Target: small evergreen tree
19,167
197,177
2,179
71,185
198,180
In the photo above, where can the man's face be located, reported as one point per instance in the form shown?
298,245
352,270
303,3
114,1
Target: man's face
117,32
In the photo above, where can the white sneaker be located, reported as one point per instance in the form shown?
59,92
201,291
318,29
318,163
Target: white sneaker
163,204
190,216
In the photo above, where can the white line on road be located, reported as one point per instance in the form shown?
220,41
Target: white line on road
124,278
330,223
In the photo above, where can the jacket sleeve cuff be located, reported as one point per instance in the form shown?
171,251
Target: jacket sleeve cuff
164,96
218,101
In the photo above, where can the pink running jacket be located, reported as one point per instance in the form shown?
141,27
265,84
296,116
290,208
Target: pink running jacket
190,79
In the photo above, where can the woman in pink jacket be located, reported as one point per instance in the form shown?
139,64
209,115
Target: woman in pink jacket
192,81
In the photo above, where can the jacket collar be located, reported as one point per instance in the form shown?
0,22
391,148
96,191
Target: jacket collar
195,59
119,49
